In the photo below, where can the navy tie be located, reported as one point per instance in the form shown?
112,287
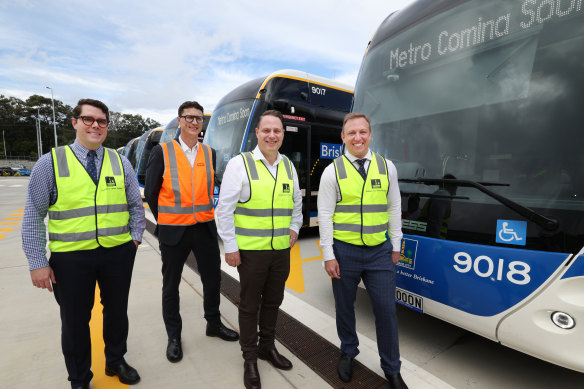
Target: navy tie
91,155
361,169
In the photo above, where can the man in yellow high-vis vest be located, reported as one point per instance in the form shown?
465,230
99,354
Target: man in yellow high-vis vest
96,221
259,216
359,217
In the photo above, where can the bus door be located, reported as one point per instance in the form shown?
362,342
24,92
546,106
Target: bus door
297,147
310,147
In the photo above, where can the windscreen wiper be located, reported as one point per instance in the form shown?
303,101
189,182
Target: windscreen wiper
544,222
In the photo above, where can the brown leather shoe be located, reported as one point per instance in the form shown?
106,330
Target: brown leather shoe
275,358
251,375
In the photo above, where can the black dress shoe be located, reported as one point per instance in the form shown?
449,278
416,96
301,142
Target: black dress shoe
174,350
126,373
251,375
80,386
275,358
222,332
345,367
396,381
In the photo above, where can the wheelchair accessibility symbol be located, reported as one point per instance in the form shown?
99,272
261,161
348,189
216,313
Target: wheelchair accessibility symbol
511,232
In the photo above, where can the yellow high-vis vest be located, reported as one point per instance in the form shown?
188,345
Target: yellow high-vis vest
87,216
263,222
361,217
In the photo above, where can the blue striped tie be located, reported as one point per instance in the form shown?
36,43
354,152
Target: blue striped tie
361,169
91,155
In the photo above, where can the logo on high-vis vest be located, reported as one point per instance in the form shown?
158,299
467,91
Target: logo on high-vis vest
286,188
375,183
110,181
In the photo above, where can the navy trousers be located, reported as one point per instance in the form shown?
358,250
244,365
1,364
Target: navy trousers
374,266
76,273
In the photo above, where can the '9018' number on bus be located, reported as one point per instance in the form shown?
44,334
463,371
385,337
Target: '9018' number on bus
517,272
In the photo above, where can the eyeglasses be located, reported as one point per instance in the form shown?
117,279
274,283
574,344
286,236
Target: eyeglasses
190,118
88,121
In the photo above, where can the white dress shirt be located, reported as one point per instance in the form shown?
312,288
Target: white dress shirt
190,152
235,188
329,194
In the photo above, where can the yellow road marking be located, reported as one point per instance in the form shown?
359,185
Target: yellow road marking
295,280
6,229
9,224
2,236
146,205
12,218
16,214
100,380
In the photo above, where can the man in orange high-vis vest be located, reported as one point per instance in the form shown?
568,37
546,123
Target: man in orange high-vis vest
179,190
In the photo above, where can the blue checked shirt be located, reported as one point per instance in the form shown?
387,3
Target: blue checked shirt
42,192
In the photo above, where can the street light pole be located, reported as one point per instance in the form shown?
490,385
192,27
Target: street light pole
54,120
39,138
4,140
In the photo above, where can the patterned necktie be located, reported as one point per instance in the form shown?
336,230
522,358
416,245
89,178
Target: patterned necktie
91,155
361,169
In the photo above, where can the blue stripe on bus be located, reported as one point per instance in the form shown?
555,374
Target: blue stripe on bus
480,280
247,127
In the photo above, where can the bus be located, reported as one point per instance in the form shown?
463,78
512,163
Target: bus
479,106
172,129
129,150
145,144
313,108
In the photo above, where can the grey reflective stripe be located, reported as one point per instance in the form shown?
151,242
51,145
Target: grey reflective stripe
380,164
357,228
251,165
173,172
114,161
339,163
287,166
207,151
261,233
178,210
372,208
263,212
88,235
87,211
62,165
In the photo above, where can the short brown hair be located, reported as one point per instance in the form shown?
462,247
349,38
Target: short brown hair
94,103
272,112
356,115
189,104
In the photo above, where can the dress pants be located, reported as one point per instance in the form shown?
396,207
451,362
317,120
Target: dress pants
373,264
262,276
198,239
76,273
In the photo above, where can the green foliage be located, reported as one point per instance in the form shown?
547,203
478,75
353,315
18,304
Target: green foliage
18,121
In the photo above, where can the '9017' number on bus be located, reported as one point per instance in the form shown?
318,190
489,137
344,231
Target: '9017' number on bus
517,272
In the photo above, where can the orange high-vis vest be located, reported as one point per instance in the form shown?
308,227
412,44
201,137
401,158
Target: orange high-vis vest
186,195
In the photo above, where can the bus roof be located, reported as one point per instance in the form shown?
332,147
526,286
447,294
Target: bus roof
409,16
251,89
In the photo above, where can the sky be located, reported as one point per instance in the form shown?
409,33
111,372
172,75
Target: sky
148,57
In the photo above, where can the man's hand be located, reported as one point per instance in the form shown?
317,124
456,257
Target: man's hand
233,259
136,243
42,278
293,238
332,268
395,257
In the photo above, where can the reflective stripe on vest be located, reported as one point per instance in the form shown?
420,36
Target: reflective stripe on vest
186,195
263,222
361,217
86,216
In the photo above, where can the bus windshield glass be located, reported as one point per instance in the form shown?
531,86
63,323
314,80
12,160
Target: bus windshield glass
228,123
487,92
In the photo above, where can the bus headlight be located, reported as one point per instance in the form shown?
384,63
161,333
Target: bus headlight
563,320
